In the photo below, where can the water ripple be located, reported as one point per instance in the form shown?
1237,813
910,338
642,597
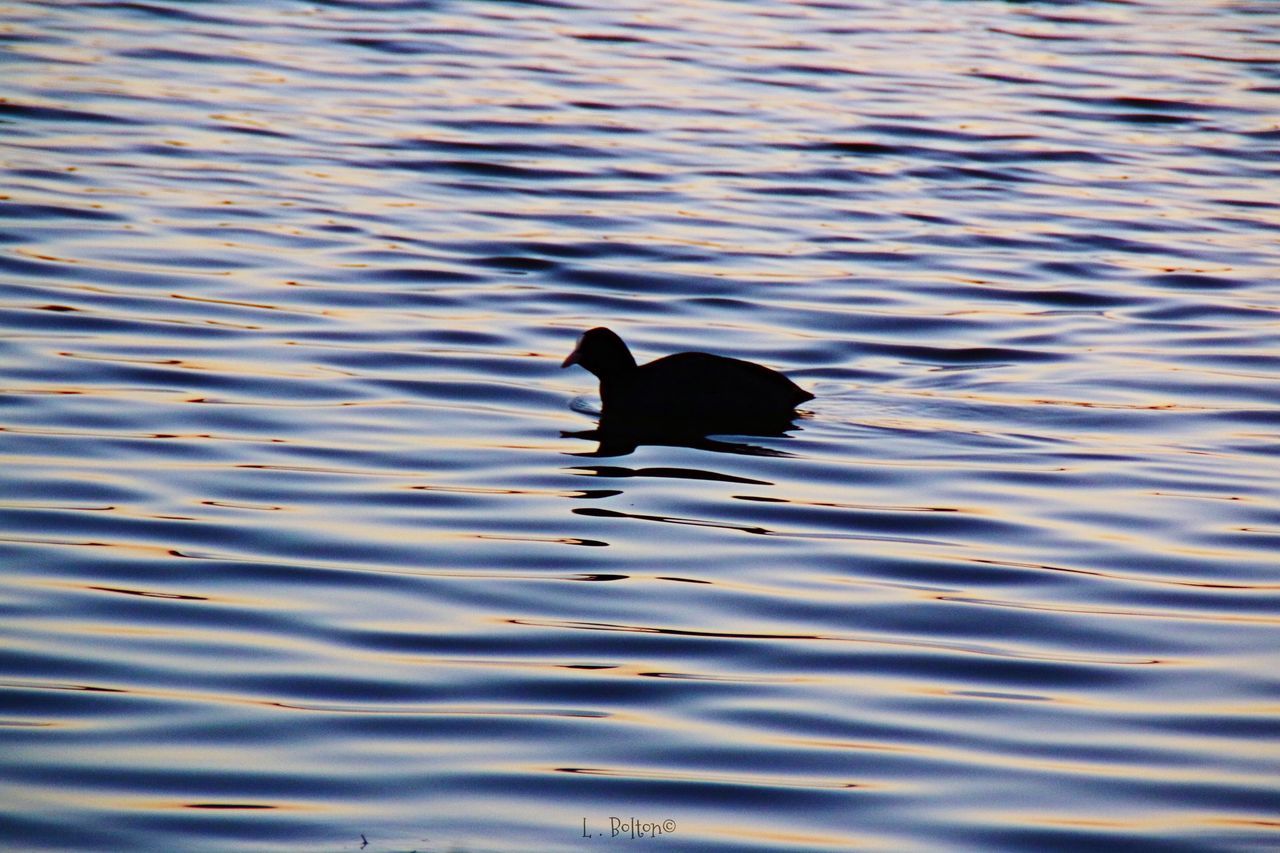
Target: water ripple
308,540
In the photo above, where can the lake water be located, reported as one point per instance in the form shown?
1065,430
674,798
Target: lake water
296,552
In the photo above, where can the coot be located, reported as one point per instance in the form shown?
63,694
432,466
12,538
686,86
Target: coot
686,394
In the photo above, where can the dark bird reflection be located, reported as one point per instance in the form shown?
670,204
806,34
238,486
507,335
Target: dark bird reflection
683,399
614,471
620,442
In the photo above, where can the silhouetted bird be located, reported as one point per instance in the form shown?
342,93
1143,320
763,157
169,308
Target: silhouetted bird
684,396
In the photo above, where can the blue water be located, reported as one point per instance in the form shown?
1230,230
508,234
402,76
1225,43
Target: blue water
297,551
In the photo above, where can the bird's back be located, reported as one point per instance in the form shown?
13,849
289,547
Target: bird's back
704,391
721,375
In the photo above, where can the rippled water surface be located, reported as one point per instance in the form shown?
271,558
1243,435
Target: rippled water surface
298,549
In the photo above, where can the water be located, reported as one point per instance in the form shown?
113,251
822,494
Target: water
295,551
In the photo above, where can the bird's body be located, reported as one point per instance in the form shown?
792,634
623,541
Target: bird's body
689,393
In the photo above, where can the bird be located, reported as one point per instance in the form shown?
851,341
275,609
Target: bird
685,395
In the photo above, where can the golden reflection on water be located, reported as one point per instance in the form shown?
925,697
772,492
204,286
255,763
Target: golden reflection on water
758,779
284,422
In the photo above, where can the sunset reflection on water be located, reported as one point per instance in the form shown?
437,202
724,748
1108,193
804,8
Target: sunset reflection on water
307,541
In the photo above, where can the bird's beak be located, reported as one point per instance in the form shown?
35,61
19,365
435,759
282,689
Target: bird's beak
571,359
